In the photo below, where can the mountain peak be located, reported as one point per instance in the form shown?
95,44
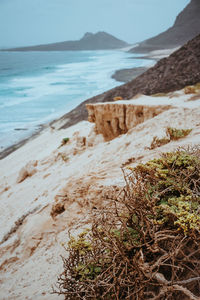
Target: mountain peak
90,41
87,35
99,34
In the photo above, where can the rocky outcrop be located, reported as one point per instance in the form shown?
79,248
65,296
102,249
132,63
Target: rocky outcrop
98,41
186,27
113,119
180,69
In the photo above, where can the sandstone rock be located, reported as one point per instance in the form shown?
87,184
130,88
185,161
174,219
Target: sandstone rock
27,171
113,119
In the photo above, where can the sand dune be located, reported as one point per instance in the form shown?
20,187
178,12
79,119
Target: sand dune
47,188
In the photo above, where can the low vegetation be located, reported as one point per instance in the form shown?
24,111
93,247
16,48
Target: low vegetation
160,95
189,89
176,134
117,98
192,89
158,142
145,244
64,141
172,134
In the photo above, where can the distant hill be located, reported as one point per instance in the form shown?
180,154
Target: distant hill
186,26
98,41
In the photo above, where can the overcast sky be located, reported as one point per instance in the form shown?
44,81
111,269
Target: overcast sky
29,22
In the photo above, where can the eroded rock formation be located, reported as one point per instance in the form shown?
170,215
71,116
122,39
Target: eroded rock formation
113,119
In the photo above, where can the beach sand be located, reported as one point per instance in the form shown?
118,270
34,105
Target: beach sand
78,177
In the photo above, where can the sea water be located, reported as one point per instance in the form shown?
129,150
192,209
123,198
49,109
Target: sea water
37,87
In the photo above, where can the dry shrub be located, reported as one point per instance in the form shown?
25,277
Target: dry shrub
158,142
160,95
192,89
189,90
117,98
146,244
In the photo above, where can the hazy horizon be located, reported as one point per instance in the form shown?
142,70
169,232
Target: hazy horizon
27,22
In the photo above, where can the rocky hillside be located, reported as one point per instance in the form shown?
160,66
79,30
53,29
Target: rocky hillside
186,26
180,69
90,41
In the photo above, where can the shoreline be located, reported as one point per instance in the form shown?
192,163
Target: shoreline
126,75
123,75
5,152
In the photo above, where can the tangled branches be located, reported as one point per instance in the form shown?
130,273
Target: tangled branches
146,245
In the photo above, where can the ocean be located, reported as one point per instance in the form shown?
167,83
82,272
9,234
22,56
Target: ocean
37,87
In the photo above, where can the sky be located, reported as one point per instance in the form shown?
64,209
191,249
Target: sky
32,22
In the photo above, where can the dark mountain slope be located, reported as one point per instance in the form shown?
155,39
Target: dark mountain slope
181,68
186,26
90,41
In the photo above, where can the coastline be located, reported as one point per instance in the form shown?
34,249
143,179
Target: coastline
5,152
126,75
79,112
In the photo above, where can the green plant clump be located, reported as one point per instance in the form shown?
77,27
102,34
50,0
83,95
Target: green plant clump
172,182
65,140
172,134
145,245
176,134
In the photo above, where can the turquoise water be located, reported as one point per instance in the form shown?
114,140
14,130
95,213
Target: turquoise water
36,87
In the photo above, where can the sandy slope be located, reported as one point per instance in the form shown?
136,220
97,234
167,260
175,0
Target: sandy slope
79,175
